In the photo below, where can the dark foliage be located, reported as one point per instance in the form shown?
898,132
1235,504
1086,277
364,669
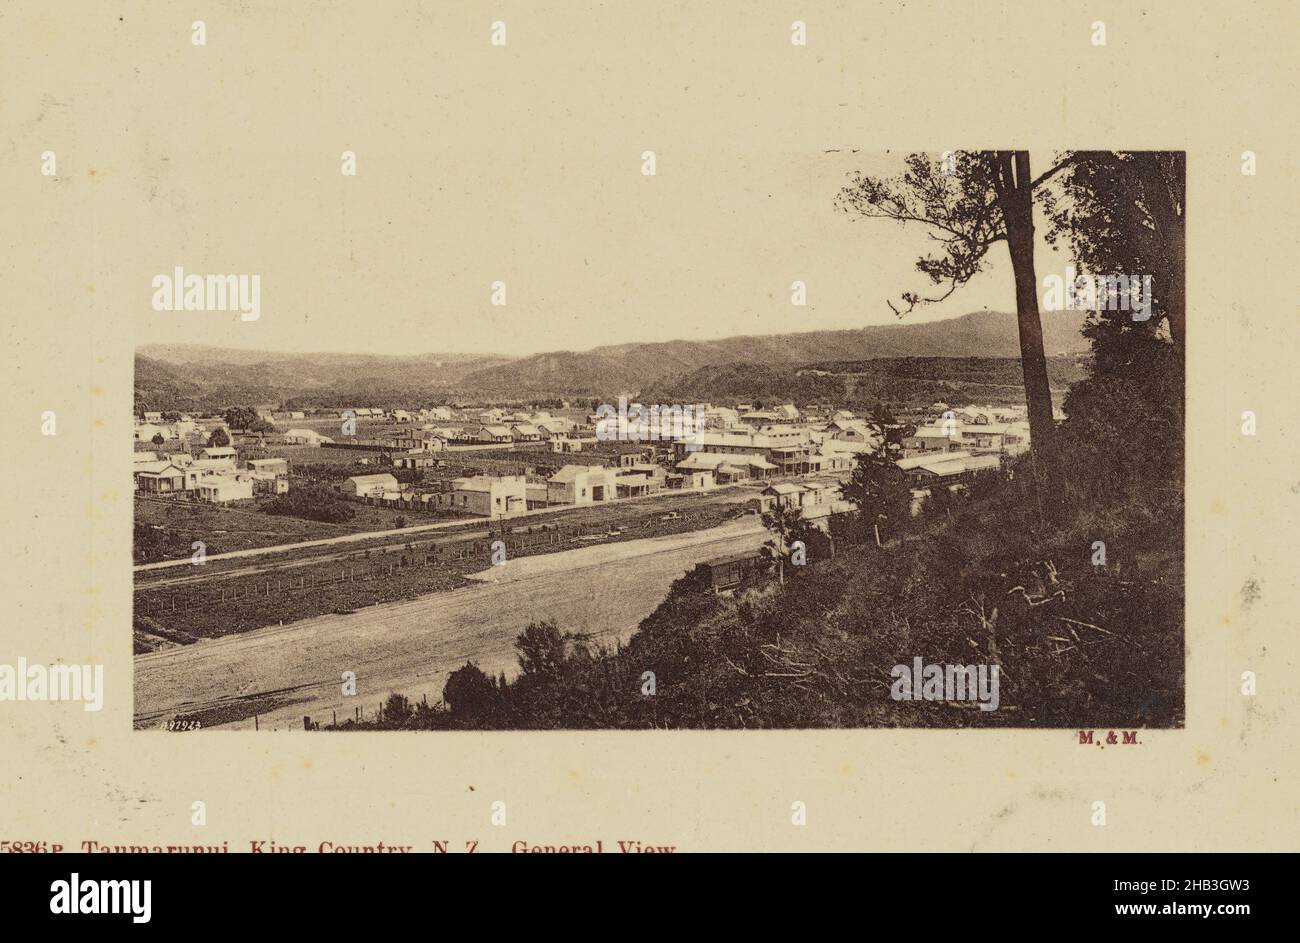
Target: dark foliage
313,503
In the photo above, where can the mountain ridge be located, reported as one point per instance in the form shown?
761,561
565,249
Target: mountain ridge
196,372
980,334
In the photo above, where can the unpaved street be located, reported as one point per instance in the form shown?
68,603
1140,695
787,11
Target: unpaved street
285,672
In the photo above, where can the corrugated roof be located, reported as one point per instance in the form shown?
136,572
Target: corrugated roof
785,487
372,479
570,472
969,463
916,461
157,468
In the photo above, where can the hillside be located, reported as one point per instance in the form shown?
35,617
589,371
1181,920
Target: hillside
189,377
900,382
633,367
206,365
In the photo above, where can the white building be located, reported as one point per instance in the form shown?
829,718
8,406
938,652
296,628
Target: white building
306,437
213,453
273,467
145,432
581,484
487,495
220,489
369,486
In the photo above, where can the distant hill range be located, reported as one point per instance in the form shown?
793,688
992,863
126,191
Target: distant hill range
173,376
902,383
984,334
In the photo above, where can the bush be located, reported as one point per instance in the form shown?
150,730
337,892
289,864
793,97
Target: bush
313,503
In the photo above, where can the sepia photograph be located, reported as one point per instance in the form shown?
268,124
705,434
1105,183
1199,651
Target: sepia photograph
599,427
965,512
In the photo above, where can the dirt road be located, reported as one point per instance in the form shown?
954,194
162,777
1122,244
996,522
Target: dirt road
282,673
610,510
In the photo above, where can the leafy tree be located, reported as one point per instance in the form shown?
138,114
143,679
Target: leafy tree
881,415
240,417
878,489
470,694
397,709
157,438
542,648
970,204
940,502
149,544
788,525
407,476
1123,214
312,502
219,438
984,484
847,529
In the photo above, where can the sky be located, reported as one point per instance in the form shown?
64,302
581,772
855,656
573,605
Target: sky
701,251
520,165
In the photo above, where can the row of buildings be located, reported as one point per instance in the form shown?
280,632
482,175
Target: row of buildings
508,495
211,474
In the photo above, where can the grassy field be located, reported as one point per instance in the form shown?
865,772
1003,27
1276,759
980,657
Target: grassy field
322,455
223,528
292,588
244,526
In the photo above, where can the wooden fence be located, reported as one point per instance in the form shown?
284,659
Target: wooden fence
363,566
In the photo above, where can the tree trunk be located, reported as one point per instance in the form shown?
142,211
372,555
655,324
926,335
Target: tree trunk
1166,203
1176,297
1015,200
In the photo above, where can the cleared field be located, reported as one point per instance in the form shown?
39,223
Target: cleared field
243,526
299,455
284,673
187,605
224,528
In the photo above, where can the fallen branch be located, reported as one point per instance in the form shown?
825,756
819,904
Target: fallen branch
1086,625
739,669
1041,602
